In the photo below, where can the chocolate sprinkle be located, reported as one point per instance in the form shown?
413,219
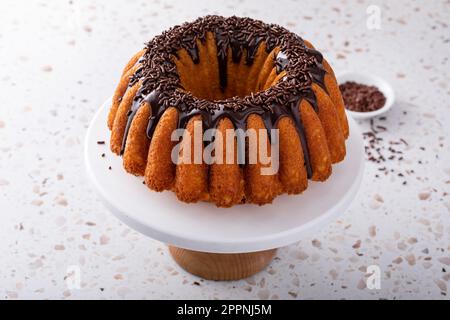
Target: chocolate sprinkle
160,84
361,98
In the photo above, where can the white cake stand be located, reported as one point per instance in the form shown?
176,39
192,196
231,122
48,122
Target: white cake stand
217,243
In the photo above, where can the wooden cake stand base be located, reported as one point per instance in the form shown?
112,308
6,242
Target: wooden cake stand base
222,266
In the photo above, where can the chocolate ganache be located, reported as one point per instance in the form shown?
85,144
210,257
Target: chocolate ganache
161,87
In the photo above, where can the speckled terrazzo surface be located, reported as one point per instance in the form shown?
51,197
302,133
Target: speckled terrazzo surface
60,60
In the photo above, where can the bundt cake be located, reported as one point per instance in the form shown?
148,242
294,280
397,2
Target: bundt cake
225,74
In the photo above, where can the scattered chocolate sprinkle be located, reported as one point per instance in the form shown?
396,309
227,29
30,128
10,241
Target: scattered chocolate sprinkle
100,142
382,152
361,98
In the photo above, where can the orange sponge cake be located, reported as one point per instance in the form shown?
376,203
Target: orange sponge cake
227,74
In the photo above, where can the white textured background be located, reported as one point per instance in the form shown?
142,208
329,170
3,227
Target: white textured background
60,60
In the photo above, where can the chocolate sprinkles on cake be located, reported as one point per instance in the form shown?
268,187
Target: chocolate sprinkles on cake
161,86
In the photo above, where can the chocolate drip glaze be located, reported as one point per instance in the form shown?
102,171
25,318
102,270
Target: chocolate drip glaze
160,85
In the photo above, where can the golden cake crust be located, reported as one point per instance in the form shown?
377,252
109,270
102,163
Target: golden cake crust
312,130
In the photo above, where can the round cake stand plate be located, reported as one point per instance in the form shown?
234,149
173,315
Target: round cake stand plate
217,243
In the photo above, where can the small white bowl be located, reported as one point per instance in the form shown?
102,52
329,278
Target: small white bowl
369,80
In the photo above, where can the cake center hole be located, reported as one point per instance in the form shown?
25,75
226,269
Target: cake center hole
212,79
